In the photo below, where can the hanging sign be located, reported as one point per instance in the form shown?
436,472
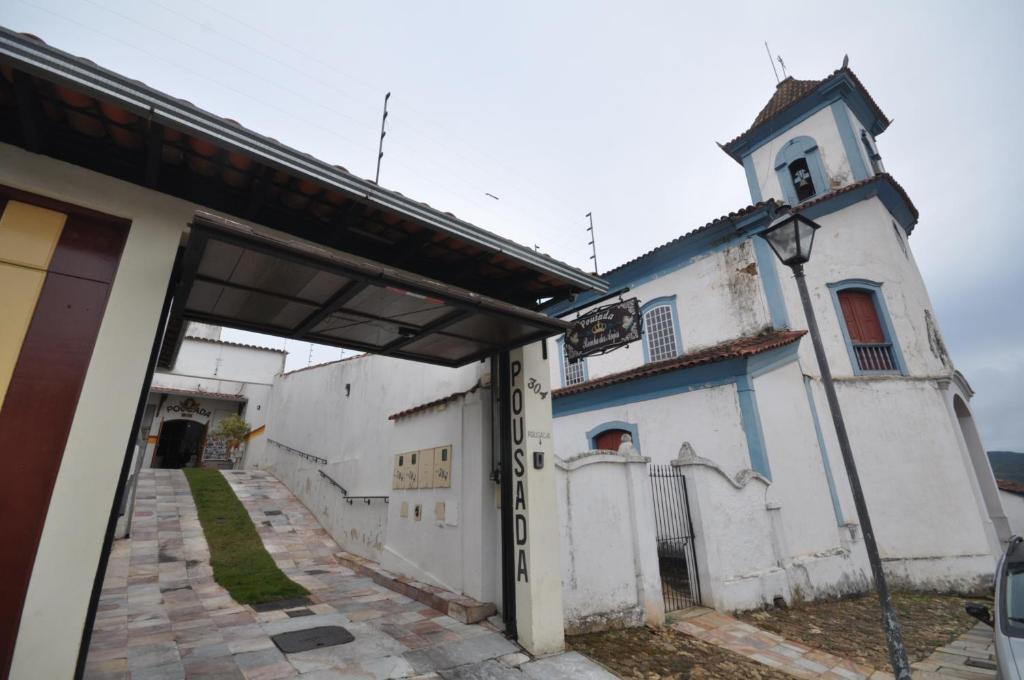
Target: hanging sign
604,329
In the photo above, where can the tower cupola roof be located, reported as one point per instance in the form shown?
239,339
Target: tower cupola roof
795,98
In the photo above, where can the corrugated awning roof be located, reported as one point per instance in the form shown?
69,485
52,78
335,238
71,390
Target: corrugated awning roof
71,109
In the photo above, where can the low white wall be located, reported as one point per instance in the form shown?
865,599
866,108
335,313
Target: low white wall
339,412
610,576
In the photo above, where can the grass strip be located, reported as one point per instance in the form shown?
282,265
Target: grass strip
240,562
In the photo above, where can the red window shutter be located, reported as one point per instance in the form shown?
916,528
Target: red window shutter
609,440
861,316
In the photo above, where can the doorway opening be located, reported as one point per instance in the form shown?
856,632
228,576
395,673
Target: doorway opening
677,558
181,445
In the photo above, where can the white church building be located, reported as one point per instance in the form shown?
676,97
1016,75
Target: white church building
725,387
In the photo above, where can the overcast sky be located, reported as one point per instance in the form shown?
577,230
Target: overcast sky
560,109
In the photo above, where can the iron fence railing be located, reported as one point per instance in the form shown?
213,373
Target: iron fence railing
677,559
876,356
344,492
296,452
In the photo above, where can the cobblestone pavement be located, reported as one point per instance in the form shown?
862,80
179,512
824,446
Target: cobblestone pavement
161,615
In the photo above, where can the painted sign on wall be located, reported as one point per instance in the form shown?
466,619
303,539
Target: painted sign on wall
604,329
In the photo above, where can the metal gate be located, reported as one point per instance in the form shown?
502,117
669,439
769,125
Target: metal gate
680,583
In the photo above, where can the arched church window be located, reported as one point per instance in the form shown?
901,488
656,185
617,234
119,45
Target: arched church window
872,151
800,175
799,170
661,329
611,439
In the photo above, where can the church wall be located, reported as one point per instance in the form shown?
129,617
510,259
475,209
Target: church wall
820,126
718,297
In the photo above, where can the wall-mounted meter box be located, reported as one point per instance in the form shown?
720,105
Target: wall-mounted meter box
425,472
443,467
412,467
397,481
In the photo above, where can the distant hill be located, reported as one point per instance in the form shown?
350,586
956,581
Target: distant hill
1008,465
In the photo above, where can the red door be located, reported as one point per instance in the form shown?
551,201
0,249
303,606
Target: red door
609,440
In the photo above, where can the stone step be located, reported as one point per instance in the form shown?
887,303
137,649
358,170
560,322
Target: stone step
460,607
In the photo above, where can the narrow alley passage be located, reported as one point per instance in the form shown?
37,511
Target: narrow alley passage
163,617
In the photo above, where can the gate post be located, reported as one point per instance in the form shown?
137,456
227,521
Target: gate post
535,564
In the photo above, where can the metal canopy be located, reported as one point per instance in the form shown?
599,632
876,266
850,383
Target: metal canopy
253,279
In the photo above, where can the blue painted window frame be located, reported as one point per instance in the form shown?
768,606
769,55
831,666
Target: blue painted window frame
631,428
667,301
875,288
562,363
800,147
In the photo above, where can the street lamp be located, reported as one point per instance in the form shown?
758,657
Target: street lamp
791,237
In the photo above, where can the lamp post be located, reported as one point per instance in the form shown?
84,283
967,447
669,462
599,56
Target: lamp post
791,237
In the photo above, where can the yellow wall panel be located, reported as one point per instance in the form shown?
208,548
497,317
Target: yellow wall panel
20,288
29,234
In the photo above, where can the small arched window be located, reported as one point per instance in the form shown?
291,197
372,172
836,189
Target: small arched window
799,169
661,329
610,440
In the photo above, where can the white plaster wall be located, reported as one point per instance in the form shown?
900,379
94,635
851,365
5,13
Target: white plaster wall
210,359
821,126
718,298
799,484
311,412
709,419
913,475
860,242
1013,504
610,574
58,596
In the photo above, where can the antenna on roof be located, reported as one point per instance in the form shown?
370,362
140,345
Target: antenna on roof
380,147
783,65
592,245
771,60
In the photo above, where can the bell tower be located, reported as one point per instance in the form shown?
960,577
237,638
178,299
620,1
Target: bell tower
811,138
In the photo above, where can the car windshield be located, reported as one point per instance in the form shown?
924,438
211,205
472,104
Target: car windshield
1015,598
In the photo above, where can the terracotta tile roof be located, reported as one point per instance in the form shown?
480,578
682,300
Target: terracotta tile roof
1012,487
733,349
791,90
196,338
733,215
198,393
880,177
454,396
772,203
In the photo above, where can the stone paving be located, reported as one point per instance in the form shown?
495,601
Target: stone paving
969,657
161,615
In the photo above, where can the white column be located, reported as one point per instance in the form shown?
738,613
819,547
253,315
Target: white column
538,576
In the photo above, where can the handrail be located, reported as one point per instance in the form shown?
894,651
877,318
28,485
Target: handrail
303,454
348,499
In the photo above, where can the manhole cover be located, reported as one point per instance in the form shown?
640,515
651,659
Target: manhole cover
312,638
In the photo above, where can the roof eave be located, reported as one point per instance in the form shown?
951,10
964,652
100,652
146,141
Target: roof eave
45,61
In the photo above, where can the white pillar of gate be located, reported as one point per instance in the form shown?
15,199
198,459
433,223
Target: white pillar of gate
538,575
